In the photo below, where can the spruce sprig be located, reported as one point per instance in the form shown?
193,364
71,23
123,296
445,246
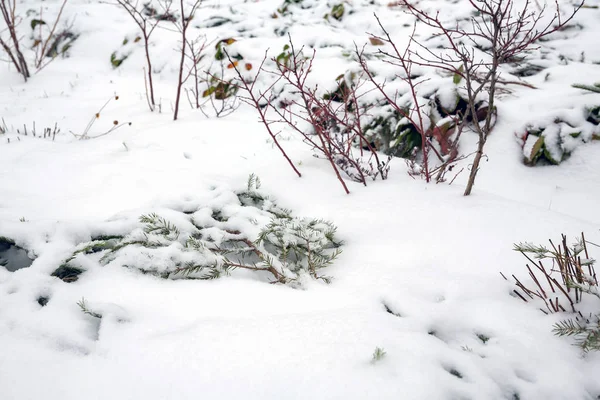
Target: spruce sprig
287,247
158,225
587,334
592,88
86,310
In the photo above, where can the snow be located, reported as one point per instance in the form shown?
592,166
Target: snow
423,251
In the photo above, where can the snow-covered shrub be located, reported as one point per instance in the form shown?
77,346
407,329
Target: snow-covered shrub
491,30
329,121
120,55
46,41
562,285
222,49
337,12
157,11
284,9
236,230
217,85
59,43
146,18
555,141
585,330
394,134
330,11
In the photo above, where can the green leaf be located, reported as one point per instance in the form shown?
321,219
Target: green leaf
536,150
209,91
337,11
551,158
115,61
36,22
458,75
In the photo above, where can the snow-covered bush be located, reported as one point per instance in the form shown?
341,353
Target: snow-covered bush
565,293
496,32
337,12
329,121
236,230
394,134
45,40
553,142
118,56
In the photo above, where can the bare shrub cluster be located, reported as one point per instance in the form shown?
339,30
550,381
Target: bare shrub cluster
472,53
498,32
562,277
48,41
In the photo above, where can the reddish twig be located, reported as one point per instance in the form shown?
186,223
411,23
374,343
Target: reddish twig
44,42
147,27
255,100
183,27
8,10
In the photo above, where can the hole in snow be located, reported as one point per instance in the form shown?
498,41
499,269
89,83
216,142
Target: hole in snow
43,300
454,372
13,257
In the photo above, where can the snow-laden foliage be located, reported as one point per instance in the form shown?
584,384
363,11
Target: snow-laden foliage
248,231
564,279
554,141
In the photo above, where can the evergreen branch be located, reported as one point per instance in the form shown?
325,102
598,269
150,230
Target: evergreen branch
253,183
286,247
84,308
590,342
592,88
587,337
538,251
589,288
568,327
191,268
576,279
158,225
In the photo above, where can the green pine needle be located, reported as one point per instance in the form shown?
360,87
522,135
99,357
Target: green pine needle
592,88
85,309
378,355
156,224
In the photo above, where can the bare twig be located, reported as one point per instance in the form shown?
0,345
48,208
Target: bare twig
147,25
507,32
255,100
570,267
11,19
42,47
196,54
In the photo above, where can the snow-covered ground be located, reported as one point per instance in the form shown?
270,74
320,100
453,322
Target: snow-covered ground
421,251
